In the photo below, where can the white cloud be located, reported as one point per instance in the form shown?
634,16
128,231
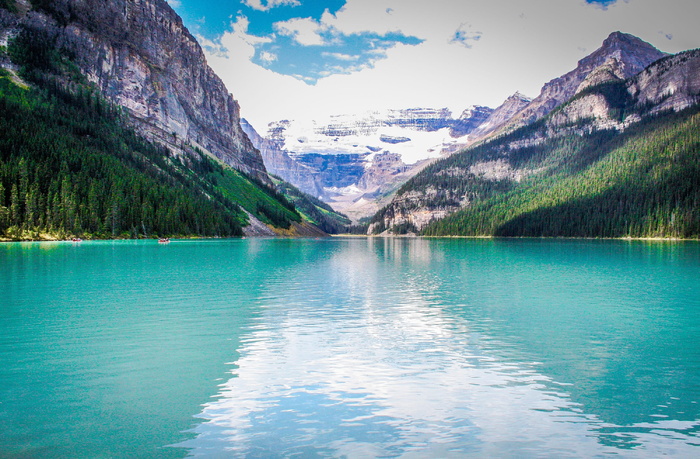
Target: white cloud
267,57
341,56
269,4
522,45
305,31
175,3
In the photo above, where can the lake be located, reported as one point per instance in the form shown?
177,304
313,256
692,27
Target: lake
350,348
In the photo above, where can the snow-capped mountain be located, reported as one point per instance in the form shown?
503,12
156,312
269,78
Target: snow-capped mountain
415,134
352,160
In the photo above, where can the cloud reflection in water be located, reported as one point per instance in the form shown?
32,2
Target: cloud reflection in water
349,362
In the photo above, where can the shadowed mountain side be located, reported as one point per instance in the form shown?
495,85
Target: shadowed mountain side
643,183
575,136
114,126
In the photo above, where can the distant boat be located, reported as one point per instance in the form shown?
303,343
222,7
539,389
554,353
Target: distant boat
164,240
76,239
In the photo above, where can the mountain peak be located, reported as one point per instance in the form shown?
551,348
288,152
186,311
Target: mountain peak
619,37
621,56
632,53
624,39
519,96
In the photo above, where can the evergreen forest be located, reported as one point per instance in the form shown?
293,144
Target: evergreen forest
313,209
640,183
71,165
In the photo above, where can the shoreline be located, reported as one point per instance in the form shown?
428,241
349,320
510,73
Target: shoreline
154,238
582,238
49,238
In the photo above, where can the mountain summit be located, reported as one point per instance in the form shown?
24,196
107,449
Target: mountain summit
633,54
607,150
621,56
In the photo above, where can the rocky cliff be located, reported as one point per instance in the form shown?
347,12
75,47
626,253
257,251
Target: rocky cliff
621,56
605,94
278,162
500,116
142,57
670,84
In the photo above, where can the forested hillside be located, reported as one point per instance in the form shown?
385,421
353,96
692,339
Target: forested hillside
71,165
313,210
642,183
619,159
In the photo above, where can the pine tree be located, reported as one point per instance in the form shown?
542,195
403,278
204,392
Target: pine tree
15,211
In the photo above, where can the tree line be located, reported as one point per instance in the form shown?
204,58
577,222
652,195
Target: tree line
641,183
69,166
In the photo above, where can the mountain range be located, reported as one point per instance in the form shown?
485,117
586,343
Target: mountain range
351,161
113,125
357,162
609,149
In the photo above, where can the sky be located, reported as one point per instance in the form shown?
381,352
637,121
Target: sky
307,59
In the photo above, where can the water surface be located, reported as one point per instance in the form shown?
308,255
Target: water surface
350,347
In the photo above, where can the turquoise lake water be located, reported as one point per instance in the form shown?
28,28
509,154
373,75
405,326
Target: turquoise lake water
350,348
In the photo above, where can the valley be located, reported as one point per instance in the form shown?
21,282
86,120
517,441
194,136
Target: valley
350,228
392,171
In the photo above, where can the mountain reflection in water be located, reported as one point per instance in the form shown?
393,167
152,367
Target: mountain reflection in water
425,348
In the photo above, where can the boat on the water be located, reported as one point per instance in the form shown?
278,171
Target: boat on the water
164,240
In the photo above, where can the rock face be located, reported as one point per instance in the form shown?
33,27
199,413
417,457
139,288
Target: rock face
471,119
621,56
499,117
279,163
139,53
603,93
351,161
610,70
593,107
670,84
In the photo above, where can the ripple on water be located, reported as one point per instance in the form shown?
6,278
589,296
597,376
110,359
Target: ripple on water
357,348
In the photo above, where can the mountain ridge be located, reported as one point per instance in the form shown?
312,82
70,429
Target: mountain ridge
620,56
145,135
142,57
492,167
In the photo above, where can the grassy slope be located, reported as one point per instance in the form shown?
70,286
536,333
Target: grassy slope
265,203
314,210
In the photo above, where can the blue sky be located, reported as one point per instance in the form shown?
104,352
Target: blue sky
211,18
294,58
281,22
284,53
